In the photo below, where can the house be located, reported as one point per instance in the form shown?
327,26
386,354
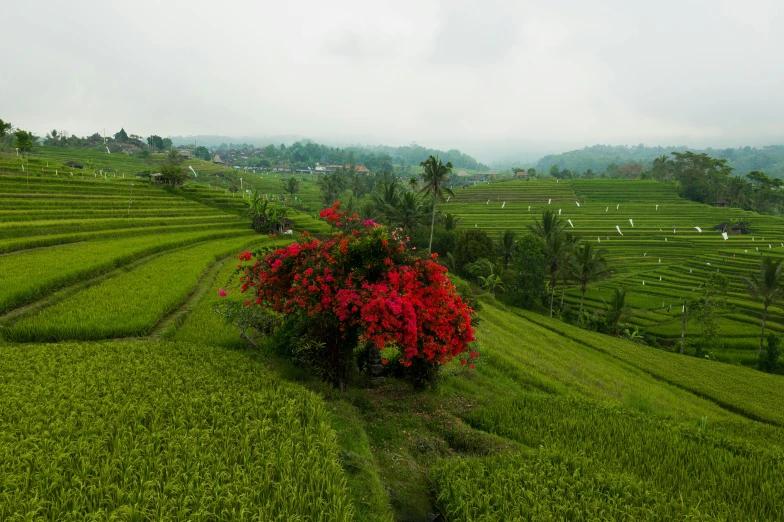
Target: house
217,159
462,174
358,168
729,228
280,168
157,177
185,153
74,165
521,174
721,203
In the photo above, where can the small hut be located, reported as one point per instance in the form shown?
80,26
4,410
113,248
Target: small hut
721,203
74,165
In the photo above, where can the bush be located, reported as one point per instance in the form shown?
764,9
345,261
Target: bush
472,245
361,286
479,268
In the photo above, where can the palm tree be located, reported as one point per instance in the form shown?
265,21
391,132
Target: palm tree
588,266
506,247
409,212
768,287
550,226
570,248
557,252
385,198
451,221
617,310
434,177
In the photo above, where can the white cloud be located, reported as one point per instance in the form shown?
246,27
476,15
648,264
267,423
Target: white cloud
482,76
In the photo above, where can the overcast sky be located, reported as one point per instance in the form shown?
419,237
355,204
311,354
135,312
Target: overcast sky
491,77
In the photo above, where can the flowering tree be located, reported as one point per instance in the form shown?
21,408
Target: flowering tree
360,287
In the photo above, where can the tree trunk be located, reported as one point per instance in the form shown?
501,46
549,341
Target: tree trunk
683,327
762,335
552,297
432,226
582,299
563,291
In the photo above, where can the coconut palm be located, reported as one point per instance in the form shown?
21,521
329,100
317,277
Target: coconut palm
506,247
385,199
451,221
434,178
588,265
557,252
409,212
549,227
618,311
768,287
257,211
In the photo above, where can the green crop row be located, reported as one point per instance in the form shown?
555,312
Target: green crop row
160,431
131,303
708,473
548,486
27,276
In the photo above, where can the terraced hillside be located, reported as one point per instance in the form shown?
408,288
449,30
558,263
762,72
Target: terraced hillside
660,258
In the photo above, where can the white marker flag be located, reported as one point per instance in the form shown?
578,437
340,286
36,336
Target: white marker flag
699,229
607,209
549,201
618,229
559,211
657,207
570,222
529,208
631,222
599,239
617,206
725,236
578,203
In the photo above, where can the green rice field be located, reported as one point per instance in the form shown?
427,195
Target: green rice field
123,396
660,258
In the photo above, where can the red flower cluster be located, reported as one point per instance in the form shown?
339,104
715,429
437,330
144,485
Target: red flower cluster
367,280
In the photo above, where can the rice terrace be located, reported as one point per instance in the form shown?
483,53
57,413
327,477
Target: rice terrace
392,262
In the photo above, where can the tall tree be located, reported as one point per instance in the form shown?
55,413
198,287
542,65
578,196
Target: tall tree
121,136
385,199
434,176
767,287
23,140
409,213
588,266
506,247
291,186
203,153
5,128
617,310
551,230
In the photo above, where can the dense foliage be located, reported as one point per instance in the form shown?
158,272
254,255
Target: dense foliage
362,286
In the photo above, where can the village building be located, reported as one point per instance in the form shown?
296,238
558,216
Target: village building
217,159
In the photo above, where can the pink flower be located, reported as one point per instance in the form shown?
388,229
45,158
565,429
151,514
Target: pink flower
369,223
222,292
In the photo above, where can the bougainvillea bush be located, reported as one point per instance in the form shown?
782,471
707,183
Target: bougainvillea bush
362,288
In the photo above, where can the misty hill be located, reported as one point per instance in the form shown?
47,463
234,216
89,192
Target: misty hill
768,159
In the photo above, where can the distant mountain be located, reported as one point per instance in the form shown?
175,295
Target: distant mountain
769,159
